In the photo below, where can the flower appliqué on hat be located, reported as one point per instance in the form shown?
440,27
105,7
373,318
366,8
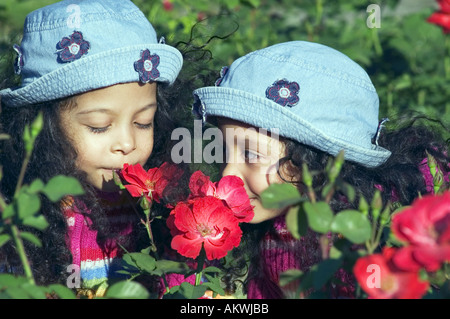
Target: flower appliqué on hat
18,64
223,72
199,109
147,66
72,48
284,92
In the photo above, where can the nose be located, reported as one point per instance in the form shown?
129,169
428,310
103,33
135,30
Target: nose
124,141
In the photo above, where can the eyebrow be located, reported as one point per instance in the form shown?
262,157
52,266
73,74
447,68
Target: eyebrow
108,111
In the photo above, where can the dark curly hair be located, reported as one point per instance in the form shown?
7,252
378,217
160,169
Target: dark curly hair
53,154
399,175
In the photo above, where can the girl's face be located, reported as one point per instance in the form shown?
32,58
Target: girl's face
109,127
252,155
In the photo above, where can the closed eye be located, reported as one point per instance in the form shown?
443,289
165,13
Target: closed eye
98,130
144,126
250,156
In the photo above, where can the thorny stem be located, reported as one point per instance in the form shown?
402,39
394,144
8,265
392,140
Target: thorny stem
311,195
372,243
330,194
21,251
22,173
200,263
15,232
324,246
147,223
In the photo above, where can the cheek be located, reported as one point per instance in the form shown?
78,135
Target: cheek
256,182
262,214
88,156
90,149
145,143
261,177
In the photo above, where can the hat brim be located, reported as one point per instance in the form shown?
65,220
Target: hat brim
93,72
259,112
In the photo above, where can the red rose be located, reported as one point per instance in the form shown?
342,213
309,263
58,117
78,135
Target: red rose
230,189
151,183
204,221
425,227
380,279
442,18
444,6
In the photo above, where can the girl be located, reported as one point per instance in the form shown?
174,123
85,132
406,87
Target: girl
100,79
314,101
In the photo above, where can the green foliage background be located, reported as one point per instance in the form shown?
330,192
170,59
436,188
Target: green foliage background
407,58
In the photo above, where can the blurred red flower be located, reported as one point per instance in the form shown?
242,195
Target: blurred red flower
229,188
425,227
167,5
381,279
203,222
151,183
442,17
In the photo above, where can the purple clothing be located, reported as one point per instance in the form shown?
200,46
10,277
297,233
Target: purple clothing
279,251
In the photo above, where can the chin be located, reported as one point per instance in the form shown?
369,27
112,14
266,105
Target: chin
262,215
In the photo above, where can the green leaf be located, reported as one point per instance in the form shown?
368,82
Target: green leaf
38,222
278,196
212,269
324,271
36,186
289,276
353,225
348,191
190,291
31,238
61,291
169,266
335,253
4,239
60,186
17,293
127,290
213,284
319,216
35,292
8,280
296,222
142,261
27,204
8,212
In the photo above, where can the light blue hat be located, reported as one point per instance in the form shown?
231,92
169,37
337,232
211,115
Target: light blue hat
72,47
309,92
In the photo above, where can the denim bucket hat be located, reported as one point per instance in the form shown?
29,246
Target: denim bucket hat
72,47
311,93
